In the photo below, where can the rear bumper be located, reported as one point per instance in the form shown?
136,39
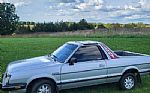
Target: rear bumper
11,87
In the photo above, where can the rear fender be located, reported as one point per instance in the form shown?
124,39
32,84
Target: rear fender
128,68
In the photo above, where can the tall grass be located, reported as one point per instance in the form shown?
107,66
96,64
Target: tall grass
85,33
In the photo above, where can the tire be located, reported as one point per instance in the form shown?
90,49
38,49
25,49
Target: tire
128,81
43,86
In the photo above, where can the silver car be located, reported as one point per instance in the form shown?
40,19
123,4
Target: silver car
75,64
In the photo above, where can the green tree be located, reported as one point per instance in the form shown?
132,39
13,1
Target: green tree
23,29
73,26
130,25
83,25
8,19
108,26
101,26
116,25
141,25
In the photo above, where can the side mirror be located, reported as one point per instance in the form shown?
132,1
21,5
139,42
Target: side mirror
72,61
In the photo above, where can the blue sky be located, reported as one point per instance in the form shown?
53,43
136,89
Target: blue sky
106,11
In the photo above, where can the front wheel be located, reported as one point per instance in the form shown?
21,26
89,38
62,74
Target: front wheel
43,86
128,81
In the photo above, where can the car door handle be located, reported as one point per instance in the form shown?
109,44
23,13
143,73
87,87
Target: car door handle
101,65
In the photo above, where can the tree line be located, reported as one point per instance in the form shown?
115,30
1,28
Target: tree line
30,27
9,24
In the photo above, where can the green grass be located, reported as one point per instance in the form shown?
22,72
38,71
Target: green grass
12,49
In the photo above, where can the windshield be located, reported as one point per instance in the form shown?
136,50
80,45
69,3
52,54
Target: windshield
63,52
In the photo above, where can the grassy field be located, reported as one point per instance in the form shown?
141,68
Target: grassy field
12,49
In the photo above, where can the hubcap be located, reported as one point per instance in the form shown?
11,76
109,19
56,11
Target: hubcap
129,82
45,88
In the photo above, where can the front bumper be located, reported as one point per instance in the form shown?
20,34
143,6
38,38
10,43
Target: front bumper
11,87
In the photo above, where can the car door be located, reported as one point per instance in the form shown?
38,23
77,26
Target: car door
90,68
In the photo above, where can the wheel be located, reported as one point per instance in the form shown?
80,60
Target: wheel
43,86
128,81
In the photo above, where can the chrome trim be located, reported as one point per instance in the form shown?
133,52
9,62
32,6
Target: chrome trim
15,86
90,78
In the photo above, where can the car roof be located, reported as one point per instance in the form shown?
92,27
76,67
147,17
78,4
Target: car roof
88,42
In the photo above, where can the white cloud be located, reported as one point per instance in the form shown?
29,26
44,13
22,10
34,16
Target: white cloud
92,9
1,1
145,4
138,17
17,4
95,10
129,7
90,4
82,6
62,1
139,10
95,2
133,17
141,2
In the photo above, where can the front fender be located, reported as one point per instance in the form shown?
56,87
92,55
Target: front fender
42,76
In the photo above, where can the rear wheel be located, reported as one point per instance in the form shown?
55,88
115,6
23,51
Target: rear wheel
43,86
128,81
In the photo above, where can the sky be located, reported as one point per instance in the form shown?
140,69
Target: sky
100,11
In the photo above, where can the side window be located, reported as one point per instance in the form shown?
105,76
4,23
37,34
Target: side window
87,53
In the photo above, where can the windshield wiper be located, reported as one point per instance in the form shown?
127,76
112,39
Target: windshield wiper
54,57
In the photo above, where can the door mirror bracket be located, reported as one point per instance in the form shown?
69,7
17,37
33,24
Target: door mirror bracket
72,61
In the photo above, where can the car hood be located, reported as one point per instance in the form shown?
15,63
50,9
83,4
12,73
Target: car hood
31,64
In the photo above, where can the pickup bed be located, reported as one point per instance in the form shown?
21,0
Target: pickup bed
128,53
75,64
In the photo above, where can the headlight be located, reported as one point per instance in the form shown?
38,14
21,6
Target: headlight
6,78
7,75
